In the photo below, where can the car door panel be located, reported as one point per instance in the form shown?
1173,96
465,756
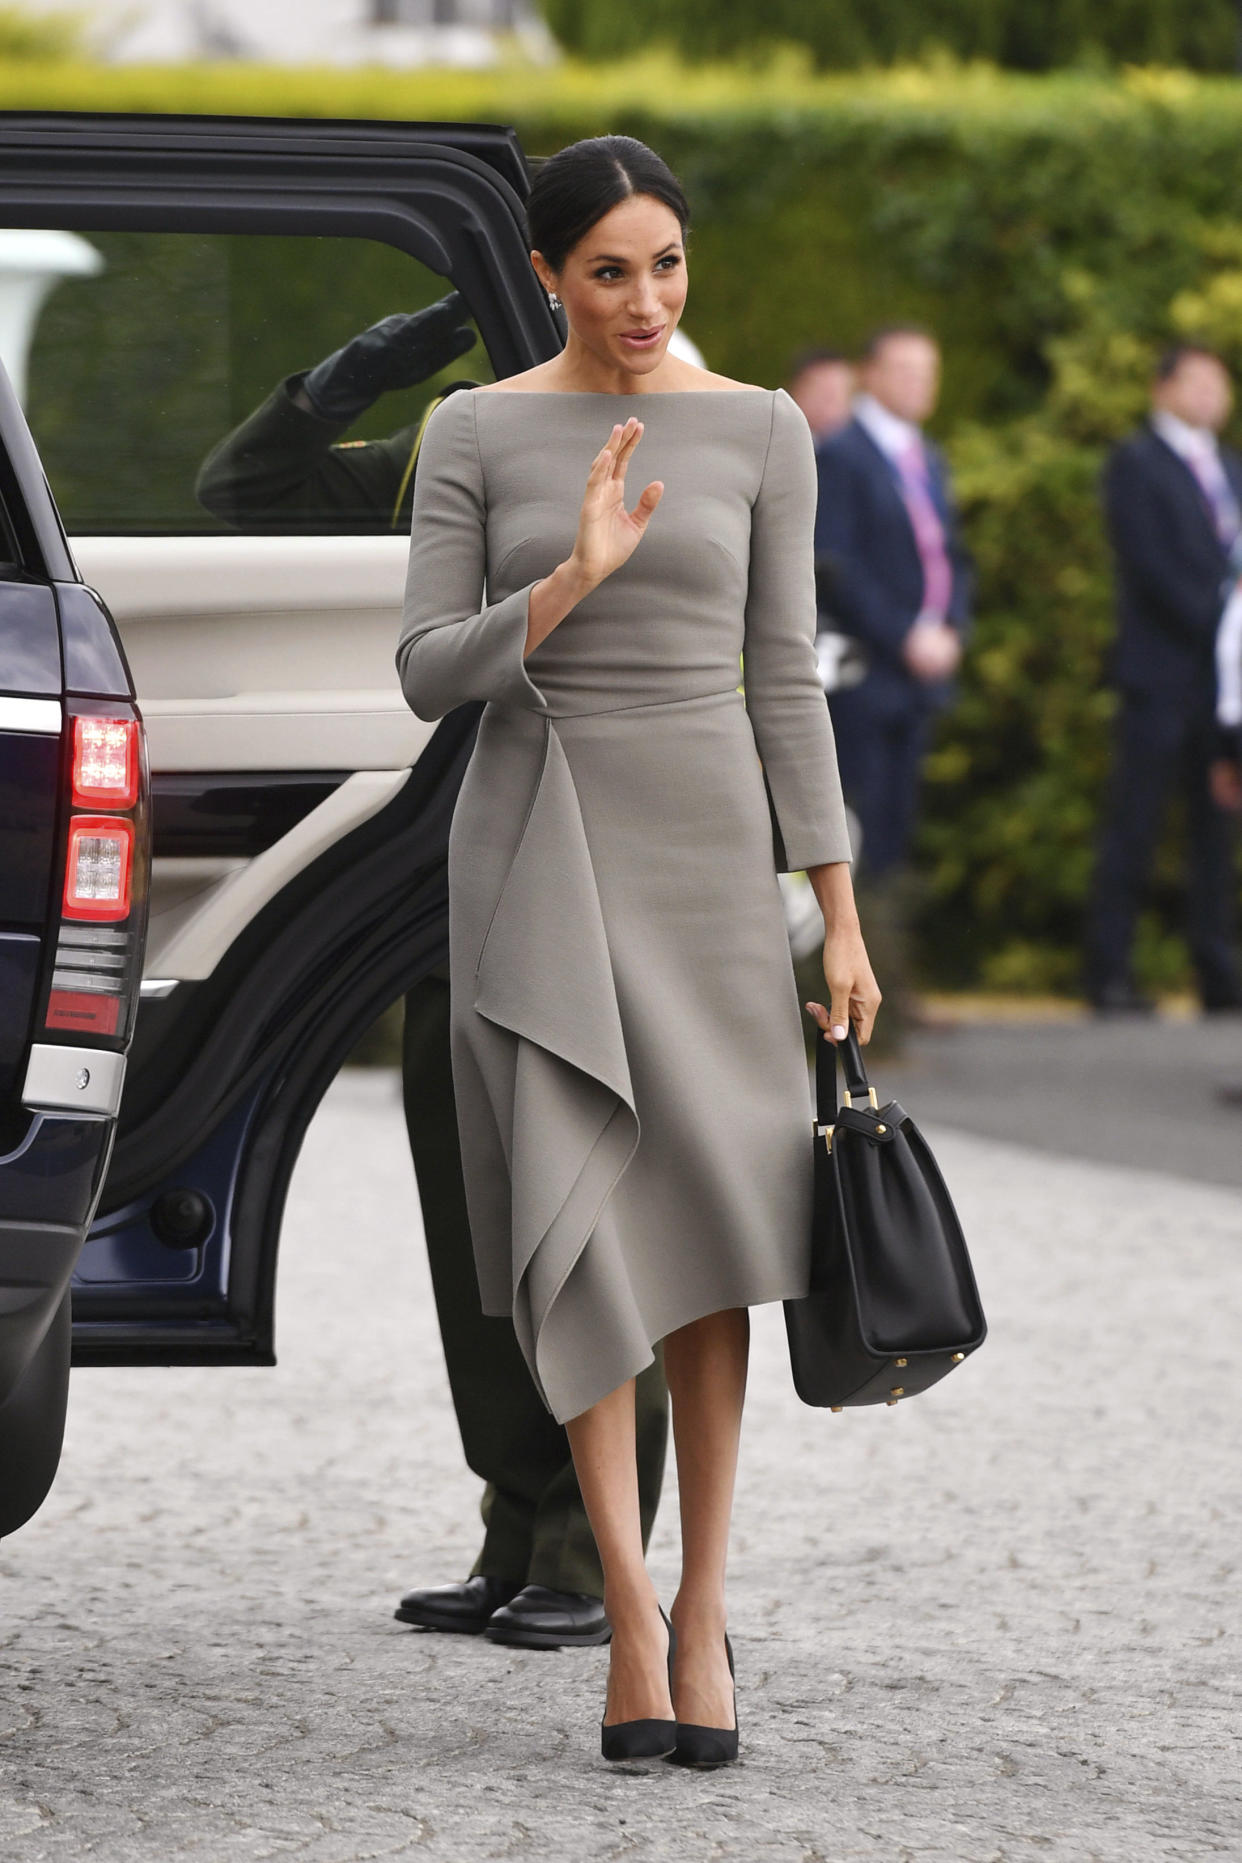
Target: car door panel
255,653
238,645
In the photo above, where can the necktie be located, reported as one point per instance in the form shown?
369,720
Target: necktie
1204,462
928,530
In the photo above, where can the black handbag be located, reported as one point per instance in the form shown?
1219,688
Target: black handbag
892,1304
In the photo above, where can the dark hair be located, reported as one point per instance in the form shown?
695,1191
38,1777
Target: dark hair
885,334
580,184
1171,359
815,357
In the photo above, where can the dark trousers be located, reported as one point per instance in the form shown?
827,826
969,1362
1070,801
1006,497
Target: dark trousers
536,1529
1159,749
880,749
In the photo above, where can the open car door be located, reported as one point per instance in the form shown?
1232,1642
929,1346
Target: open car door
300,812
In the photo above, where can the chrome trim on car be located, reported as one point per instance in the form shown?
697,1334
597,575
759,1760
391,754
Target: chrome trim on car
42,715
87,1080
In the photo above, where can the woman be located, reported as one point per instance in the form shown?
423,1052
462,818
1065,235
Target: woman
628,1063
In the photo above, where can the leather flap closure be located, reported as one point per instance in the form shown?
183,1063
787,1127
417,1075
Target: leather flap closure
880,1127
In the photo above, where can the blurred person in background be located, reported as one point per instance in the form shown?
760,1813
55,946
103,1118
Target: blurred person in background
537,1582
821,381
895,576
1226,771
1173,505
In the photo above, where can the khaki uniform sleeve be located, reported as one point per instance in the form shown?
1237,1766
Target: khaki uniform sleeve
285,470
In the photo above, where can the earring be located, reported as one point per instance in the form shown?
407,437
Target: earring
554,303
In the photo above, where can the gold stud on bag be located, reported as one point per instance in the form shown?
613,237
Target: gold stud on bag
891,1282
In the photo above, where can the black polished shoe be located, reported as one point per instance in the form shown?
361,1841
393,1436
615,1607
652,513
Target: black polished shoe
707,1746
541,1619
639,1740
1120,998
466,1608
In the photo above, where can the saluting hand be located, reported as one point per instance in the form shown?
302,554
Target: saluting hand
607,532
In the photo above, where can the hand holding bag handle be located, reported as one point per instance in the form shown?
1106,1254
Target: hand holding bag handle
892,1306
853,1068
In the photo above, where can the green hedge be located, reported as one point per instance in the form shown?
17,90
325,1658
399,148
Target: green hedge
1027,35
1055,231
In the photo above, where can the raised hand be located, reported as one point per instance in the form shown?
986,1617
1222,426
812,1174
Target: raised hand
607,532
397,352
607,535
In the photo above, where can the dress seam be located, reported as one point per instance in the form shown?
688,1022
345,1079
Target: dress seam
478,454
763,474
644,705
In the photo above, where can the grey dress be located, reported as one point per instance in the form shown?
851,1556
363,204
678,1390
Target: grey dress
627,1054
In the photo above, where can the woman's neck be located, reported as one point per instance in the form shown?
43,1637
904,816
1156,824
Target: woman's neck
578,370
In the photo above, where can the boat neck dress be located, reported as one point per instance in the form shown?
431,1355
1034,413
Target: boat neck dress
628,1062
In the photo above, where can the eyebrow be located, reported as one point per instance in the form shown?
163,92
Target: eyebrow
614,259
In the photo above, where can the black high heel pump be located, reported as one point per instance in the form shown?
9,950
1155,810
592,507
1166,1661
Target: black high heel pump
636,1740
707,1746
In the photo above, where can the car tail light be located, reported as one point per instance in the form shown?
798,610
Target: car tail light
93,992
99,867
105,762
79,1010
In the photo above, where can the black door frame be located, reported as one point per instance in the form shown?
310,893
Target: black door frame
444,205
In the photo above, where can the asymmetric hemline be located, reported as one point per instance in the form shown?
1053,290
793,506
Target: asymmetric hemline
627,1050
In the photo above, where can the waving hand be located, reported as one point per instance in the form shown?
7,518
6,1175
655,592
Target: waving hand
608,534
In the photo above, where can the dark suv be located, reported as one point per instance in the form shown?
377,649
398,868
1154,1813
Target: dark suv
222,833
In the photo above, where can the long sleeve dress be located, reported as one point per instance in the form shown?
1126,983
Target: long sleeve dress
627,1053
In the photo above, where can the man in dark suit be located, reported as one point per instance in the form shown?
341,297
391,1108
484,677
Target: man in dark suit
895,575
1173,503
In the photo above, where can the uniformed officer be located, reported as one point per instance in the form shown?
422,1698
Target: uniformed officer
537,1580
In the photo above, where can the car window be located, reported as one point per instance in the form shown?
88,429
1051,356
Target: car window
161,376
10,555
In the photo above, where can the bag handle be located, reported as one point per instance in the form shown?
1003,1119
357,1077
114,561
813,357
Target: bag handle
857,1086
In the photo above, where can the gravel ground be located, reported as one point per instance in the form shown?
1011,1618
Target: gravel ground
998,1623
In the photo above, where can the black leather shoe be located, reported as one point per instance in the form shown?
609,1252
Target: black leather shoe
466,1608
1120,999
540,1619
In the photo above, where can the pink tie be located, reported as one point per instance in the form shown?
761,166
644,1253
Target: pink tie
1205,464
928,530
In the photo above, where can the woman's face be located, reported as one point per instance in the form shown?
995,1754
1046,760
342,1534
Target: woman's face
624,284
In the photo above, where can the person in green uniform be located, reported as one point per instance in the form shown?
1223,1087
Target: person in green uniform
537,1581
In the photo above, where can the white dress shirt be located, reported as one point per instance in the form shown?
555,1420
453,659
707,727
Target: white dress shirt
1198,447
891,434
1229,663
1186,441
